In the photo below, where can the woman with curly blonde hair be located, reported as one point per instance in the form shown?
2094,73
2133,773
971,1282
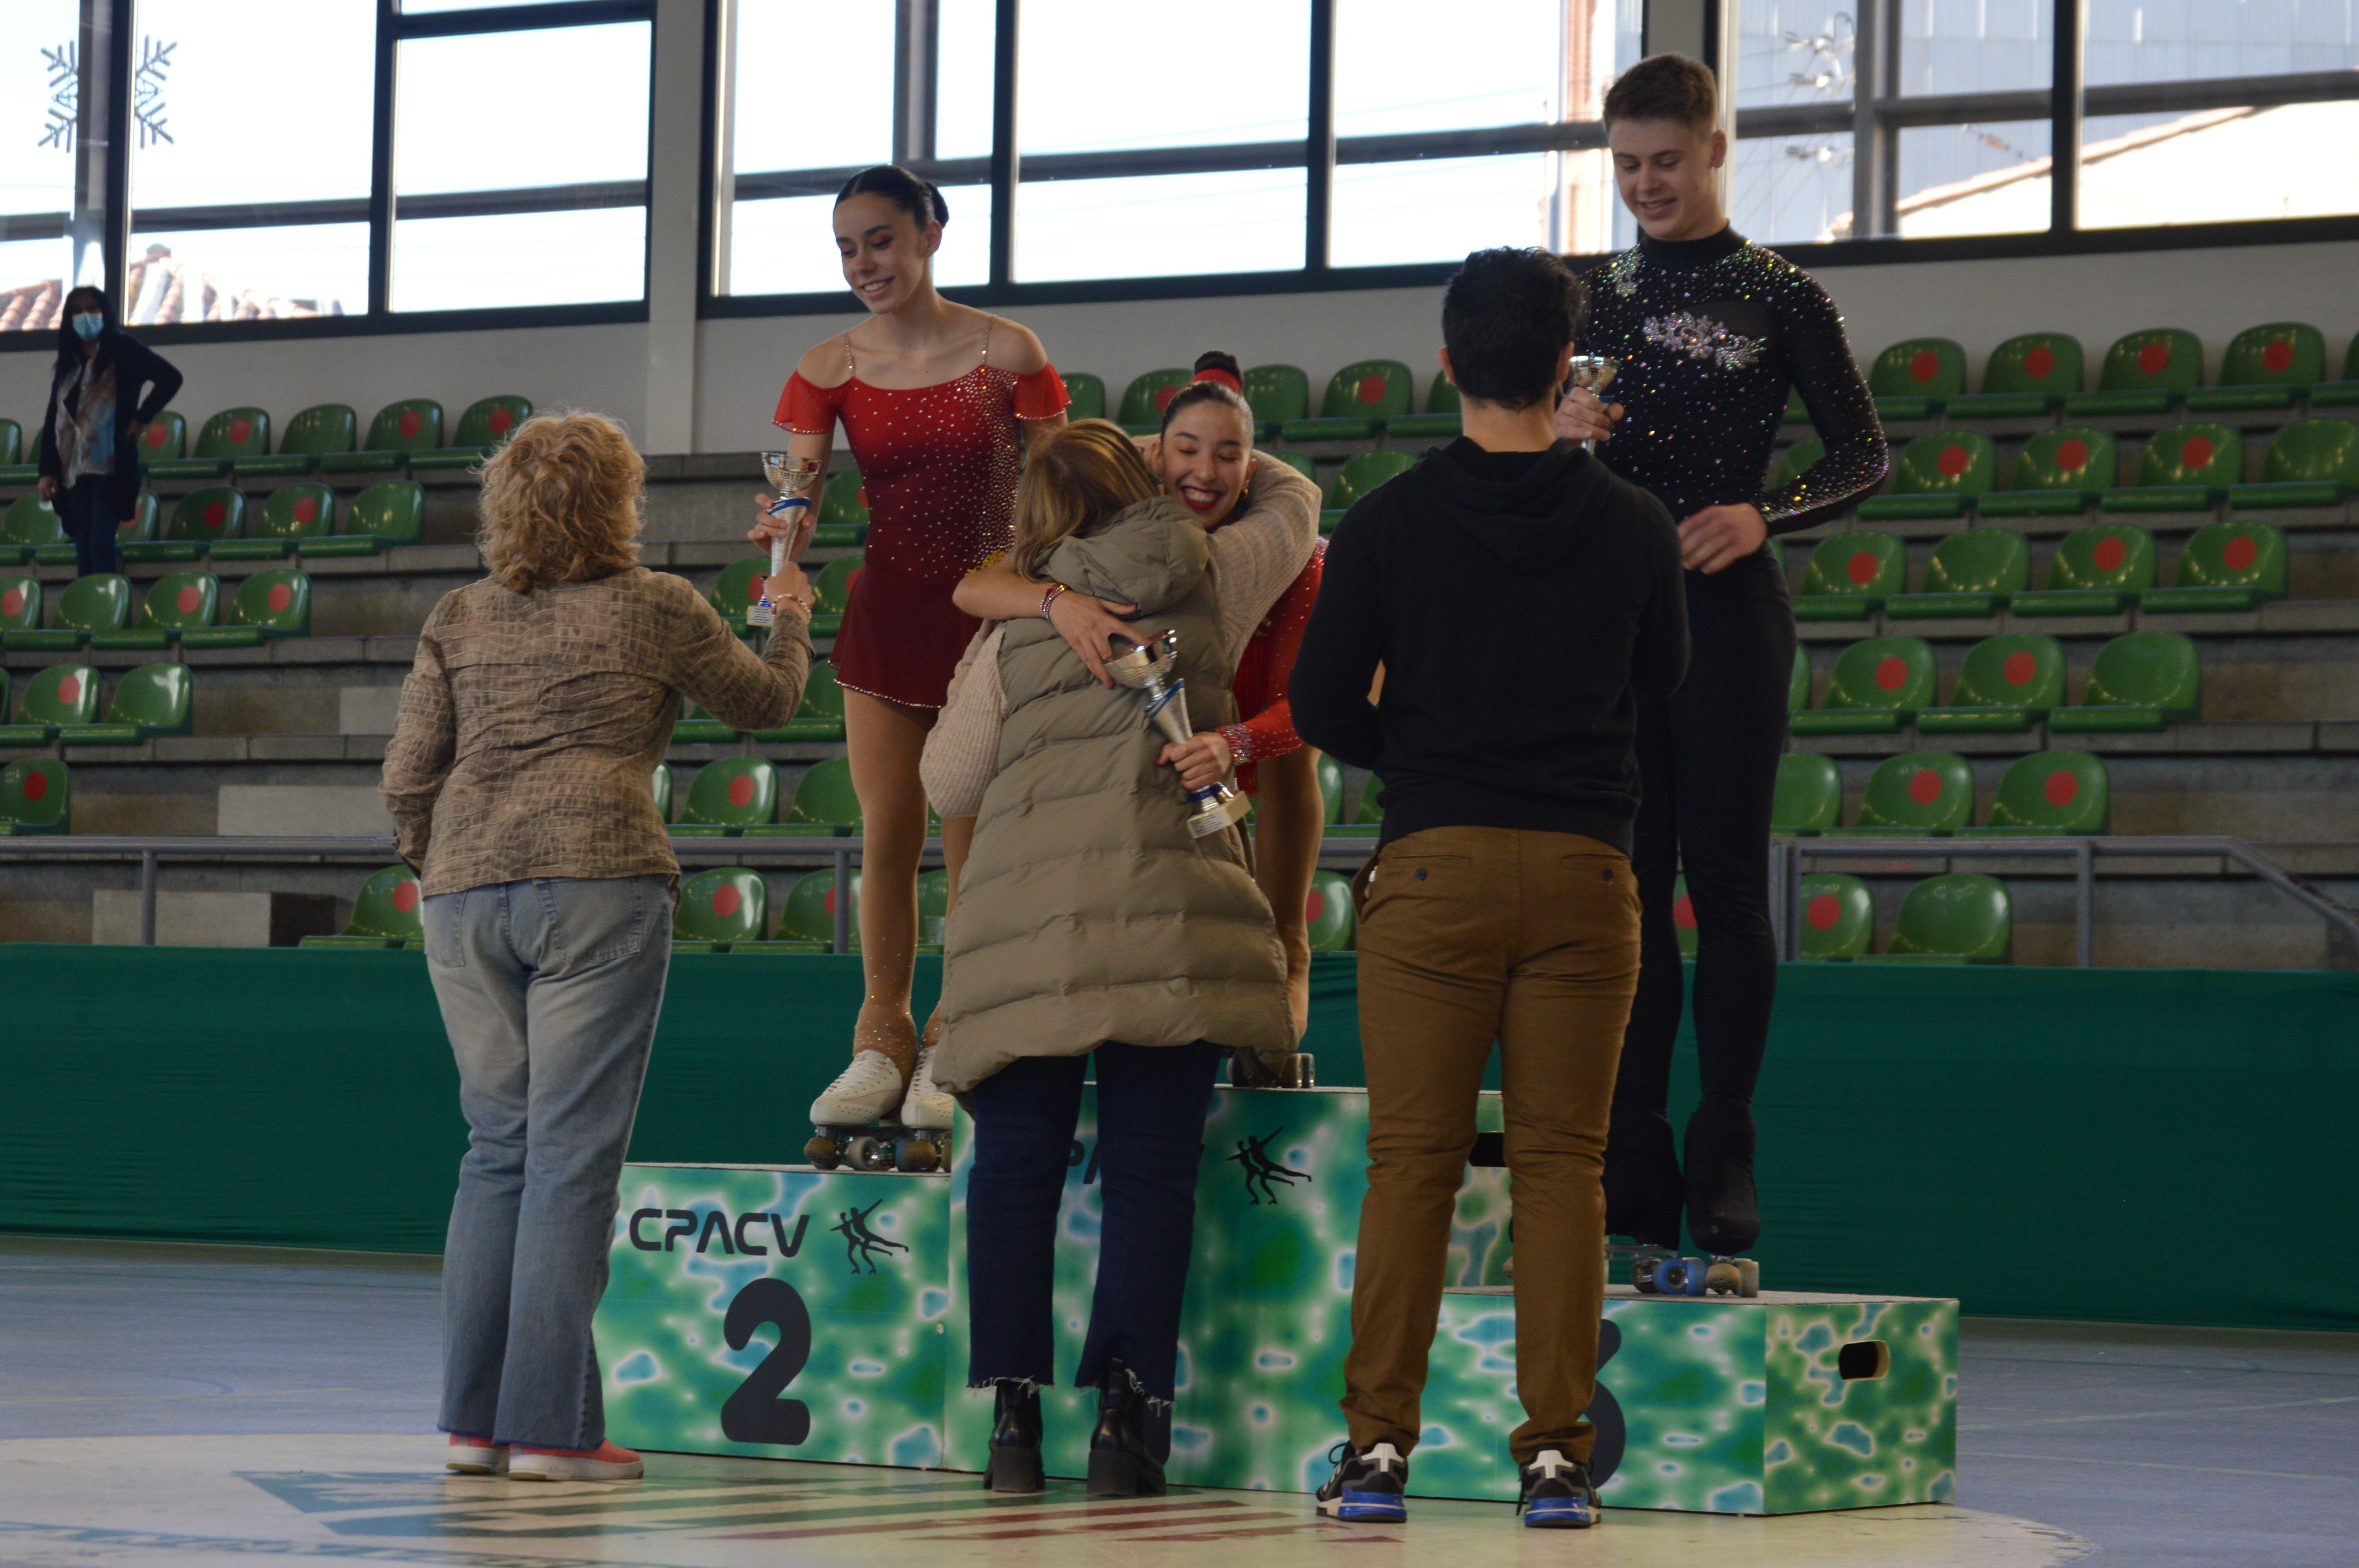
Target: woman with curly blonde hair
540,704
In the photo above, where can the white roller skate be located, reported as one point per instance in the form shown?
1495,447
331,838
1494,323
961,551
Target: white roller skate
926,1109
850,1125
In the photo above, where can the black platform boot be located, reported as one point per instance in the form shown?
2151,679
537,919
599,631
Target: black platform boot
1120,1466
1642,1178
1723,1215
1015,1462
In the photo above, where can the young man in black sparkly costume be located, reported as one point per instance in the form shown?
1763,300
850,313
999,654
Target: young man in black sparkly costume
1711,332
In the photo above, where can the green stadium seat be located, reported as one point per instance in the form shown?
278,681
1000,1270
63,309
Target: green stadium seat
821,716
1809,799
20,604
933,910
2058,473
1849,576
150,700
1365,473
2141,681
35,795
2096,570
1797,411
1796,460
2046,795
133,535
30,523
1276,393
483,426
99,602
661,787
1300,462
1359,400
808,913
1683,918
1443,419
1915,379
200,520
2144,374
385,914
268,605
843,511
302,514
1143,399
1798,684
1366,810
724,905
1327,912
1973,573
1917,794
697,727
2228,566
176,602
2187,468
2006,685
227,436
831,589
1086,395
12,443
166,438
399,429
60,695
391,512
324,431
728,797
1837,918
1936,476
824,805
1329,774
1877,685
2311,462
1961,918
2026,377
733,592
2342,393
2265,367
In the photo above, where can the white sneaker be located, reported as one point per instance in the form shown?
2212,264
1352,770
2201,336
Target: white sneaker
610,1461
925,1107
861,1094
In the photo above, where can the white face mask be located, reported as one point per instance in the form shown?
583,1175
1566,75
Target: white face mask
88,325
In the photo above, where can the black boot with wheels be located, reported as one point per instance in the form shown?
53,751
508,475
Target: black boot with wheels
1120,1466
1723,1215
1643,1188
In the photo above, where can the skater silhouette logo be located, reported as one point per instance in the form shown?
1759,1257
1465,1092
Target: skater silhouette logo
1261,1170
861,1245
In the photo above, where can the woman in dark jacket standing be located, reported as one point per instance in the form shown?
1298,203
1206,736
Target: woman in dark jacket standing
107,386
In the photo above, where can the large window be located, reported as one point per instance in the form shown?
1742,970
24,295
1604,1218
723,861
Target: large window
41,137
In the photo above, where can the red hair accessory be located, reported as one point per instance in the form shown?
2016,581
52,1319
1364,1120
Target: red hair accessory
1223,377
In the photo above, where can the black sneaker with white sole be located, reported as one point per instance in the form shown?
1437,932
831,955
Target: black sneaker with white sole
1556,1494
1368,1487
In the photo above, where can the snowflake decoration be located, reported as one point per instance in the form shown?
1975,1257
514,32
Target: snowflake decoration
1702,337
147,91
65,91
63,65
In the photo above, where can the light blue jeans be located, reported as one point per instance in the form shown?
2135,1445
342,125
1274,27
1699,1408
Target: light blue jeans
549,990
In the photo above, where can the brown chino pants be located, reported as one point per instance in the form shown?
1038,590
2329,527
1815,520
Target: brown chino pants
1467,935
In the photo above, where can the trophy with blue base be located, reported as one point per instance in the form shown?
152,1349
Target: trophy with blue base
1152,668
792,478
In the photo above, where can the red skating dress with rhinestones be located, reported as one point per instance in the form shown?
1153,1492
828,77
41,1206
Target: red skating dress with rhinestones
1260,684
939,466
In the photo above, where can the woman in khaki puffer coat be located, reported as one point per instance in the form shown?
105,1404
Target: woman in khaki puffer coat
1089,924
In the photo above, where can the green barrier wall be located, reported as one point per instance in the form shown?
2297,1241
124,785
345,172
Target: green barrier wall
2158,1146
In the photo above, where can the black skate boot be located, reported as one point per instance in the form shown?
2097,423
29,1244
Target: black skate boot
1723,1215
1642,1178
1120,1466
1015,1462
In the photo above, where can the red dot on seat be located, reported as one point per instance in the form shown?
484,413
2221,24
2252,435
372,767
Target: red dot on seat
2196,452
189,598
2019,668
35,785
1372,388
861,496
410,422
12,602
1683,912
2278,356
1823,910
306,509
239,429
1862,567
726,900
2073,454
1924,365
741,791
216,514
404,896
2063,788
2240,552
2110,553
1924,786
2040,363
1314,906
281,596
2155,358
155,437
828,902
128,523
1891,671
1163,396
69,689
1955,461
500,421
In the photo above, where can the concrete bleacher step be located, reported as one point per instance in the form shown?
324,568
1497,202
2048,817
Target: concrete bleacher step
192,919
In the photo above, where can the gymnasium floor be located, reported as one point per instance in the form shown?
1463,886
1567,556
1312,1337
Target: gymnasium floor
171,1404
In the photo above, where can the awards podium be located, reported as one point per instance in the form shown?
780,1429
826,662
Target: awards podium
793,1313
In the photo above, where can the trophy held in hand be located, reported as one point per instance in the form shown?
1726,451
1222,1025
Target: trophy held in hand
792,478
1152,668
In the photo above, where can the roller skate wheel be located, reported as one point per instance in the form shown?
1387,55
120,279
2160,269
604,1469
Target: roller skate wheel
1748,1276
1642,1277
1722,1279
1680,1277
918,1155
820,1150
868,1153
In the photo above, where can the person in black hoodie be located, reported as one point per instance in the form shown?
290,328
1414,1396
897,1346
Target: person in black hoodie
106,387
1521,601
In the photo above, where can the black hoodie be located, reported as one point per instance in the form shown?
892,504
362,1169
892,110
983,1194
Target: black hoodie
1521,605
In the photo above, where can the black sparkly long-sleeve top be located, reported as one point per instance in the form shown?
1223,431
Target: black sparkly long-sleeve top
1711,334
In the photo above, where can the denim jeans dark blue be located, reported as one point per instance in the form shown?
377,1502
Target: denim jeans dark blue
82,511
1152,1101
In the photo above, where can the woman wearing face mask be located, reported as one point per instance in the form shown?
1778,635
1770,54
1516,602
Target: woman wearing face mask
1264,521
106,387
940,402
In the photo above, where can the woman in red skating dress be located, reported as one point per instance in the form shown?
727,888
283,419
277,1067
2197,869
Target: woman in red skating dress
937,401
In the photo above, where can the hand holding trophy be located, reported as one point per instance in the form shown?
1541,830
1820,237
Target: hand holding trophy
1595,373
1152,668
792,478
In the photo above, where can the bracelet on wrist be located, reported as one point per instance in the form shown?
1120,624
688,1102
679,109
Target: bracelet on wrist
1049,597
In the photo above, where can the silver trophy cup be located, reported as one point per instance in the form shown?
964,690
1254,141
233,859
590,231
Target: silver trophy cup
1596,372
791,476
1153,668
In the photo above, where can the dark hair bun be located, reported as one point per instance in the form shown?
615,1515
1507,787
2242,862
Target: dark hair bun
917,197
1219,359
